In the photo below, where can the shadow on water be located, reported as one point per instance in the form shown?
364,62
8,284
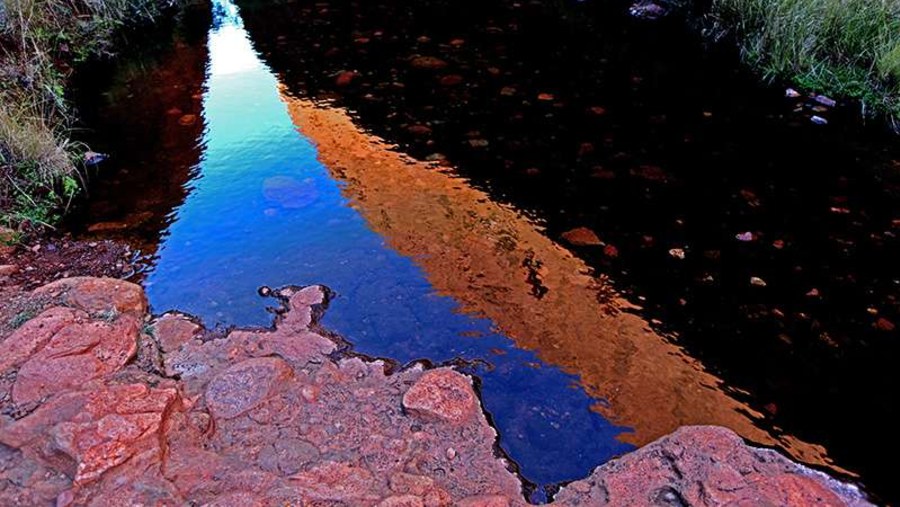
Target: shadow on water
571,113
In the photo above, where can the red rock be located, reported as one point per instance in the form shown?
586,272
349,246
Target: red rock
99,429
402,501
97,295
581,236
77,354
336,481
428,63
706,466
34,335
173,330
451,80
442,394
882,324
419,130
546,97
187,120
611,251
345,78
245,385
484,501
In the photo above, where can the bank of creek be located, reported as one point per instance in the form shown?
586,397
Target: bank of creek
597,217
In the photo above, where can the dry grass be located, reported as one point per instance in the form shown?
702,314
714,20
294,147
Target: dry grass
40,41
848,48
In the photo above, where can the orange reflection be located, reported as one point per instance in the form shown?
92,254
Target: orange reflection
498,264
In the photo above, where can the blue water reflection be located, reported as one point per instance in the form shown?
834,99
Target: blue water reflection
264,211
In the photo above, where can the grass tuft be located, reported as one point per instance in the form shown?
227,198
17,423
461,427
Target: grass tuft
846,48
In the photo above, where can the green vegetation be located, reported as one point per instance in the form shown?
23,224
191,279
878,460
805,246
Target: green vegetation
847,48
40,41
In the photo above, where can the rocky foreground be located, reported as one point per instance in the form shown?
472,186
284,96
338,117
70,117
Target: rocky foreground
103,406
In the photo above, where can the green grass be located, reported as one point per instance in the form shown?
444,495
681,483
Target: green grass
845,48
40,42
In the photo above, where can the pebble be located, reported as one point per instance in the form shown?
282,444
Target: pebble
825,100
818,120
678,253
791,93
757,281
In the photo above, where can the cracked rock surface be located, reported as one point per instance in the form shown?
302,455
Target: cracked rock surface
103,406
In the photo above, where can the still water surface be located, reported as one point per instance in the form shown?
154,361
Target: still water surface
230,176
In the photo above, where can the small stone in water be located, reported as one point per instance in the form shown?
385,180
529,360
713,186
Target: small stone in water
818,120
744,236
678,253
825,100
757,281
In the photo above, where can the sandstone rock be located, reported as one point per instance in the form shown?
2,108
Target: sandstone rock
77,354
337,481
34,335
99,429
484,501
402,501
706,466
442,394
98,295
581,236
245,385
172,330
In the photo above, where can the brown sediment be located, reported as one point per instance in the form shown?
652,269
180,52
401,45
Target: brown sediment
491,258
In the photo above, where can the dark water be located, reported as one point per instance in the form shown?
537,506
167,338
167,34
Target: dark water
573,116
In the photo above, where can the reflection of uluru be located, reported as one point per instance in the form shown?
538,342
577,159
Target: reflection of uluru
490,258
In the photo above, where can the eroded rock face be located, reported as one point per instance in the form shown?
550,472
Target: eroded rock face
706,466
279,417
443,395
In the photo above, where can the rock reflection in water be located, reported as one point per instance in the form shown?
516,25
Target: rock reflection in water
262,210
498,264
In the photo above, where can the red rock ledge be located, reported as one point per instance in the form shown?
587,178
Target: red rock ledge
102,407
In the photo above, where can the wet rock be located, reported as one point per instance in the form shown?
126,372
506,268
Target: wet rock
581,236
705,466
442,394
818,120
791,93
245,385
883,324
744,236
427,63
825,100
107,227
345,78
451,80
677,253
757,281
92,158
76,354
290,192
647,10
